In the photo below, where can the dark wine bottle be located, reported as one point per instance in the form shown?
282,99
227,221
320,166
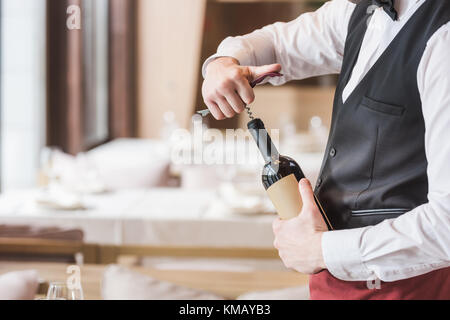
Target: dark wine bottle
280,175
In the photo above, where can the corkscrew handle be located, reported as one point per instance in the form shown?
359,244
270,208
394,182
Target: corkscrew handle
253,84
257,81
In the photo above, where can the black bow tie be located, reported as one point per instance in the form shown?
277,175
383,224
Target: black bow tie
388,6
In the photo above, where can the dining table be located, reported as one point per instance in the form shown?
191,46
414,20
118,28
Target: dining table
158,216
227,284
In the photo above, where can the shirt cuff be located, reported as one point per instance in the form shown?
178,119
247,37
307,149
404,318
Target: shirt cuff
342,255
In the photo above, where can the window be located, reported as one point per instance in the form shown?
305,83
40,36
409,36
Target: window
23,91
95,52
72,89
90,83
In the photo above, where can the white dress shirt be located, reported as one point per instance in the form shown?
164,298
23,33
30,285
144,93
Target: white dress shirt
418,241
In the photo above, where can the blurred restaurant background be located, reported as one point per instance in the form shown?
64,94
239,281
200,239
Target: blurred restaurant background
87,174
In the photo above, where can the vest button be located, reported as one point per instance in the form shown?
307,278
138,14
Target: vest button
332,152
319,182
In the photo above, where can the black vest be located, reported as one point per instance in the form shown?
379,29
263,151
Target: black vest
375,166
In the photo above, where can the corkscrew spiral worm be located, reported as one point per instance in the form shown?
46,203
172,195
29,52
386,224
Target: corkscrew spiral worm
254,84
250,113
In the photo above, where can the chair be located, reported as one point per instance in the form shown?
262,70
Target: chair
23,243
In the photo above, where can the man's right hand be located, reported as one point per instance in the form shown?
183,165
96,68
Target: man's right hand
226,89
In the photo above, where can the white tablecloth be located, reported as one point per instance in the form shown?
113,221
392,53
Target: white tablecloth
150,217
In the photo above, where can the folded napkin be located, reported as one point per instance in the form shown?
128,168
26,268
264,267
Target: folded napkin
55,197
241,200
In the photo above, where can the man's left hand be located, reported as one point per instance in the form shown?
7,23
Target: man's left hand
299,240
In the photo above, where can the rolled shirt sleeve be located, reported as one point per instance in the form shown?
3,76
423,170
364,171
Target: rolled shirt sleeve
311,45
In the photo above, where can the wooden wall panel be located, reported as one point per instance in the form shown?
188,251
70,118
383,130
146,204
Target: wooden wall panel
122,68
169,45
64,79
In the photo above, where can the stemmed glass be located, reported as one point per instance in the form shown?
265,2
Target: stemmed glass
61,291
47,158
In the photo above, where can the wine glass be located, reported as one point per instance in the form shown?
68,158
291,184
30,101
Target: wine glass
61,291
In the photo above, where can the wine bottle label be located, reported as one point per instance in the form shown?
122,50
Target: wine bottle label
285,197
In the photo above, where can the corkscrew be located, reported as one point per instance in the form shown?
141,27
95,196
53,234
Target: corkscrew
253,84
249,112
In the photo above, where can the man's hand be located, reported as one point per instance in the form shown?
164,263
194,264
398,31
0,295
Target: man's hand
226,89
299,240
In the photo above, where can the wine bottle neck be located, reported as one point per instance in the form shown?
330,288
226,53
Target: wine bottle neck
263,140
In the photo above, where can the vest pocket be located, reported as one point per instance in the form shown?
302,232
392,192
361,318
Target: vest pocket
382,107
372,217
383,212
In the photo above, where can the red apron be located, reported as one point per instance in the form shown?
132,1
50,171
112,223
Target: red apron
431,286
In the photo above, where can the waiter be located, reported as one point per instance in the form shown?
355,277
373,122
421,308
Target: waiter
385,179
